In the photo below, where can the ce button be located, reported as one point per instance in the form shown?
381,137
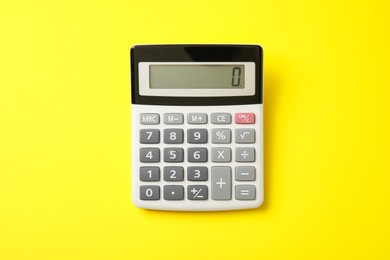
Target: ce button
221,118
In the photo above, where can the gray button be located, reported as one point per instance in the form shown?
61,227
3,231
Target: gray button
173,173
245,135
197,173
245,192
149,155
197,192
197,136
245,173
149,119
221,136
221,154
197,118
173,136
245,154
173,192
173,119
173,154
149,173
221,118
221,183
197,154
149,192
149,136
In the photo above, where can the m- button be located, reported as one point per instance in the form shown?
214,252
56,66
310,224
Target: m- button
149,119
221,118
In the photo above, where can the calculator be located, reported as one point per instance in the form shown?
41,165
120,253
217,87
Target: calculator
197,127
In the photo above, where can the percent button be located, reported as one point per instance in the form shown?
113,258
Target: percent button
221,136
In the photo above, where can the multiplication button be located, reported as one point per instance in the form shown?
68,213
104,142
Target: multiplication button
221,154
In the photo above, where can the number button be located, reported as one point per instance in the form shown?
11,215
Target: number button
149,155
197,154
197,136
174,173
149,136
197,173
173,154
149,192
149,173
173,136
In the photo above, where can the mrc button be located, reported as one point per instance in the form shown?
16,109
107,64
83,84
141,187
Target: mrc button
149,119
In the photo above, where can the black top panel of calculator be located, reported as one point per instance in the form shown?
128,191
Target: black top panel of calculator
196,53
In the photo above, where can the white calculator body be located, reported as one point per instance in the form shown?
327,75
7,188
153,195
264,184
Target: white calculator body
197,127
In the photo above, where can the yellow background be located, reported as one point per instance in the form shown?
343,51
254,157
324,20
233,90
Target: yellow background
65,130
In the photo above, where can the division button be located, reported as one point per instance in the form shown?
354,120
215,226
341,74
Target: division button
245,192
245,154
197,192
173,192
197,118
221,183
149,192
149,119
221,118
173,119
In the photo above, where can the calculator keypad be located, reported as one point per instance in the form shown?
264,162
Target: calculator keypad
197,157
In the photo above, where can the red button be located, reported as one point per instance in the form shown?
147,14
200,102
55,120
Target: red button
244,118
